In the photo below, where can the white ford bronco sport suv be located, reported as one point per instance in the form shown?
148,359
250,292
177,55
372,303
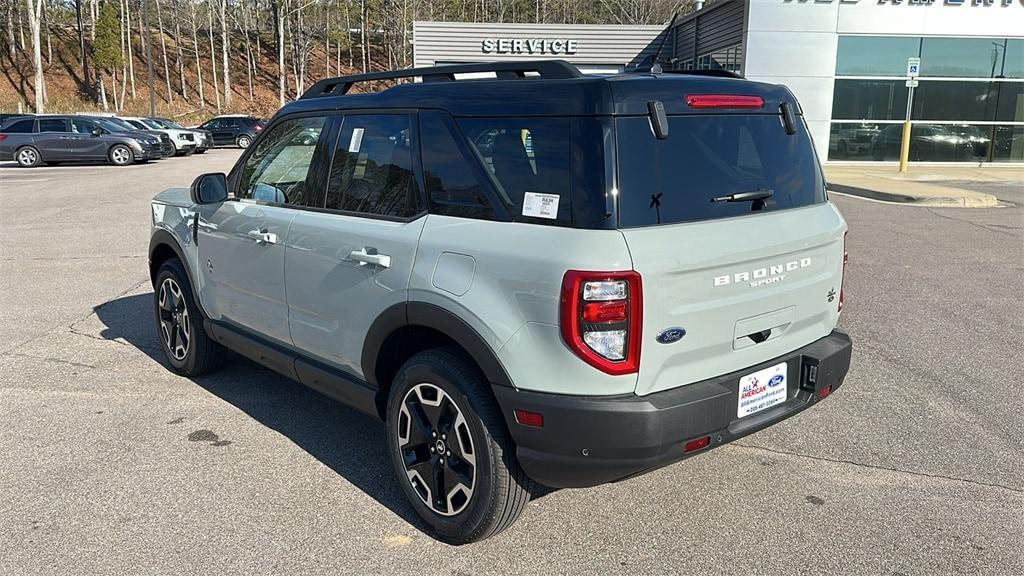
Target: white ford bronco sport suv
534,277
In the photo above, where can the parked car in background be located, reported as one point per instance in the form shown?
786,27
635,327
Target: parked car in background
115,124
233,130
204,140
54,139
5,117
184,140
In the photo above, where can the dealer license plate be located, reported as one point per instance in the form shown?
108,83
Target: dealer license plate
761,390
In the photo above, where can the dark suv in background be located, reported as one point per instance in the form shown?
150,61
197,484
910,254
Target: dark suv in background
233,130
55,139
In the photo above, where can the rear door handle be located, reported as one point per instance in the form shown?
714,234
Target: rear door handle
364,258
262,236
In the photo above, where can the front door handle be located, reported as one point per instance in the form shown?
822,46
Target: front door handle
262,236
364,258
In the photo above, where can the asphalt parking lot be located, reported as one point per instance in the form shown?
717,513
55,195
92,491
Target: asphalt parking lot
113,465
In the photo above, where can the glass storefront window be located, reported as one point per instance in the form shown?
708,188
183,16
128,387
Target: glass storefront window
928,142
948,100
869,100
854,140
1009,145
1013,66
968,100
962,57
875,55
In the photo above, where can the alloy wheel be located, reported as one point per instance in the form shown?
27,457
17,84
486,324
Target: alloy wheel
175,324
27,157
120,155
243,142
437,449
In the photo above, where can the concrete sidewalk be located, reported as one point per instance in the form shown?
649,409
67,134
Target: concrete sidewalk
954,186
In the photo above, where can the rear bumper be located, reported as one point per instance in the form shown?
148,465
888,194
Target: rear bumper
586,441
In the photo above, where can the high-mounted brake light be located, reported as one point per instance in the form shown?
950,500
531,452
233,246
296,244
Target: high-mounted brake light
601,318
723,101
842,277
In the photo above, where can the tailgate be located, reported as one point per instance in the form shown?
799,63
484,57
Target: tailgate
744,289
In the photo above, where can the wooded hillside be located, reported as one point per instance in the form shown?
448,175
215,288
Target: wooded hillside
210,56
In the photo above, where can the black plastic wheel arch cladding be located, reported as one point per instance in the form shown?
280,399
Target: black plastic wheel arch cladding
421,314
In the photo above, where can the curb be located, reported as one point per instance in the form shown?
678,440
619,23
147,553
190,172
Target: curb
974,200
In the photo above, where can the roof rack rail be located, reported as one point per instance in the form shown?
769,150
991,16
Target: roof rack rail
706,72
546,69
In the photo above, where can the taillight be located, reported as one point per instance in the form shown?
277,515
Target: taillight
3,137
842,277
723,101
259,127
601,318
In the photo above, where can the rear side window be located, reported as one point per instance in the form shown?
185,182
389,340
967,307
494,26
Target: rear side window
452,183
710,156
527,160
53,125
372,169
20,127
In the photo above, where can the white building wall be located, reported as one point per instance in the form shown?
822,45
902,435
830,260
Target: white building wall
794,42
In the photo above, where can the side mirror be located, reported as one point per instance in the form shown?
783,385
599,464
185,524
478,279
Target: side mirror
210,188
97,132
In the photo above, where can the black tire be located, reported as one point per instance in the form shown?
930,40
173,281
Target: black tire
244,141
201,151
120,155
28,157
51,163
500,489
201,354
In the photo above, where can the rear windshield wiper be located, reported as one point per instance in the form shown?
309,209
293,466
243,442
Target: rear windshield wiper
752,196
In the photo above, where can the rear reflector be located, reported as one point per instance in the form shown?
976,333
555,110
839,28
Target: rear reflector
527,418
824,392
723,101
694,445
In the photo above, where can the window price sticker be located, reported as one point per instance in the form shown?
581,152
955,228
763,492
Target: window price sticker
540,205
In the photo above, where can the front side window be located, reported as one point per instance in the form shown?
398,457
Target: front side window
528,162
80,126
53,125
278,168
372,170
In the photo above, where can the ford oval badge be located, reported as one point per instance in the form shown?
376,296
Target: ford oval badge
670,335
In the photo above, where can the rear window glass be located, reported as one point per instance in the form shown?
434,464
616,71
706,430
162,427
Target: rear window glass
527,160
711,156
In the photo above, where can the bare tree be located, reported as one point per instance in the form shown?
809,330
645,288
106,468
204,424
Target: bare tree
163,50
225,47
195,47
177,45
213,52
35,9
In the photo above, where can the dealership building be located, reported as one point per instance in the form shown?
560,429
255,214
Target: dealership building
846,61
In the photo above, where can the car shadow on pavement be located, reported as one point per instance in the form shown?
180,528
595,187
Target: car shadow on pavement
347,441
344,439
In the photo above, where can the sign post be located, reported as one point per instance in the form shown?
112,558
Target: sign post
913,71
